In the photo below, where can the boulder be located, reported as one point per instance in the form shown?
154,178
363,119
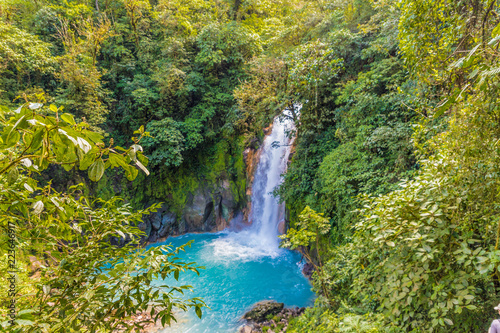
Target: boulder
245,329
156,221
168,218
308,270
262,309
167,223
148,228
153,237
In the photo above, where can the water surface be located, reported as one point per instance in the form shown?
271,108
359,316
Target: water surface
237,275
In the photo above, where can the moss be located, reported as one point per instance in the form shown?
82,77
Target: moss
217,164
173,186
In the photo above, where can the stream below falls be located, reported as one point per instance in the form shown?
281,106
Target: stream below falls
246,266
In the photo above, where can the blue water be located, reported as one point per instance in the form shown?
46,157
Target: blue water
238,274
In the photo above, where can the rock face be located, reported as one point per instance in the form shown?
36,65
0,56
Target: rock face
207,209
308,270
282,227
263,309
251,156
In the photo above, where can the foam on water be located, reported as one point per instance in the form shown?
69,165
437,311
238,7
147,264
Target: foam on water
242,246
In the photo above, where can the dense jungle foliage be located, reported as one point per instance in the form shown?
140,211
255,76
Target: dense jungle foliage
392,190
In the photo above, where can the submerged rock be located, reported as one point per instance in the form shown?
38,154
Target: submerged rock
263,309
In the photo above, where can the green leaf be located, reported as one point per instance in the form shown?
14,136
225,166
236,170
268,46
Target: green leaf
198,311
96,170
37,140
142,167
131,172
68,118
13,175
496,31
24,322
119,232
46,289
88,159
118,160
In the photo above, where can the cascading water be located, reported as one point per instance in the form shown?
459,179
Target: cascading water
248,266
261,238
266,210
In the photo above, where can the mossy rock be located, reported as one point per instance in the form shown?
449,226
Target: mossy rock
263,309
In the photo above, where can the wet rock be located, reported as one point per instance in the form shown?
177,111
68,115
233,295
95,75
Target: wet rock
169,218
209,217
153,237
263,309
142,226
194,212
278,322
209,208
245,329
164,231
268,129
167,225
281,227
114,241
148,228
308,270
156,221
227,197
182,226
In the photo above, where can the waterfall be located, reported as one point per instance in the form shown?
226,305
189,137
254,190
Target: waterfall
261,238
266,210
